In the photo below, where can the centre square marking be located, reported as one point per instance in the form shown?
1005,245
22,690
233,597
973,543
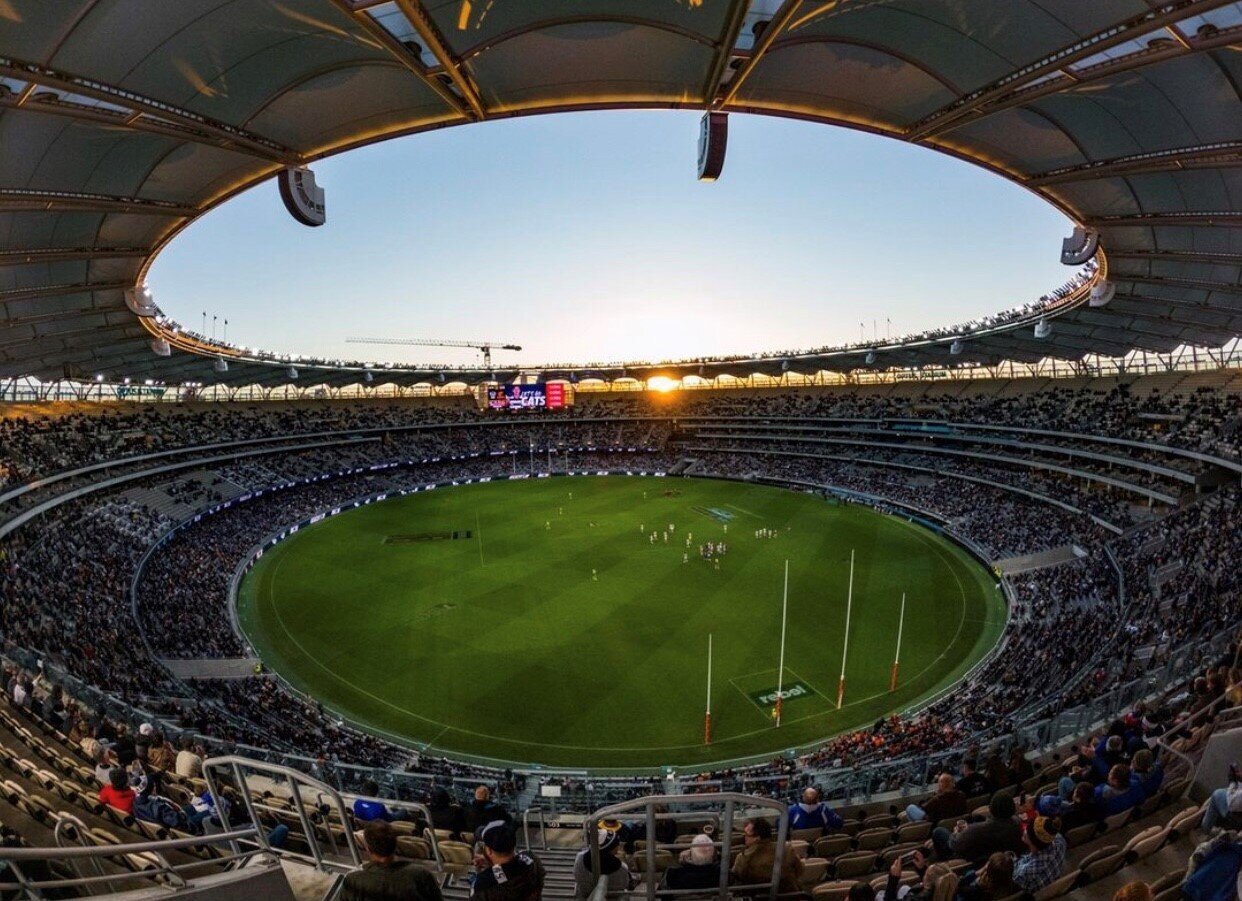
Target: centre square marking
791,692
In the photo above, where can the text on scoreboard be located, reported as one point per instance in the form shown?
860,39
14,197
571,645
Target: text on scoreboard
544,396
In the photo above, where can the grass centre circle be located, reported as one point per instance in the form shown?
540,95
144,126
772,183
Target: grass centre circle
564,621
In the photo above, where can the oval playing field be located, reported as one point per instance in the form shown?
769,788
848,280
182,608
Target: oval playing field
537,621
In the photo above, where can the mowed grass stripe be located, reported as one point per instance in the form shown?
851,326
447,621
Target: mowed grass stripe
526,658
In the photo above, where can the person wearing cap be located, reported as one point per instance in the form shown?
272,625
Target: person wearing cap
504,873
1045,857
697,866
978,841
383,877
811,813
612,868
754,865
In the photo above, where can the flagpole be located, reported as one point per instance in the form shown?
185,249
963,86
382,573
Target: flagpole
849,606
780,672
707,720
901,621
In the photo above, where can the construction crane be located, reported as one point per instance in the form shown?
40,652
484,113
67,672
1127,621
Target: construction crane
485,346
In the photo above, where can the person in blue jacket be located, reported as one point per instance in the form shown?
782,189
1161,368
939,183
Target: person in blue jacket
811,813
1122,791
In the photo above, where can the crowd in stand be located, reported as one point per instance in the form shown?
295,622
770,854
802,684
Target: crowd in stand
65,579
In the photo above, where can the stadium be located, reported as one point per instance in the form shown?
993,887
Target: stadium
951,614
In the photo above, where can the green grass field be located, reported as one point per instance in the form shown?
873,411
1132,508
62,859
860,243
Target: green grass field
467,619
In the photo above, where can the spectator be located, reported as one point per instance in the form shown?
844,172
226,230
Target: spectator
189,762
948,801
117,793
811,813
1081,809
483,810
445,814
1133,891
977,841
612,869
1224,804
973,784
382,877
1148,771
993,881
503,873
1214,869
754,865
936,882
697,867
370,807
1045,857
1120,793
162,755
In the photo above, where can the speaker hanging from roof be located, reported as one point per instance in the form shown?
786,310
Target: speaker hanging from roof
1080,246
220,365
956,347
870,358
291,372
140,302
303,198
1043,328
160,347
1101,294
713,136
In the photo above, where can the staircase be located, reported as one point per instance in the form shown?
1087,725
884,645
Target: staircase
559,882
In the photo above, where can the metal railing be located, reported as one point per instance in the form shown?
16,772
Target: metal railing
325,852
731,802
90,857
537,813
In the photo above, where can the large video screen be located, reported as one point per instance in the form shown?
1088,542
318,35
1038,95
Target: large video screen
543,396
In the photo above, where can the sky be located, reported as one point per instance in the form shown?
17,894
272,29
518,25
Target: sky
585,237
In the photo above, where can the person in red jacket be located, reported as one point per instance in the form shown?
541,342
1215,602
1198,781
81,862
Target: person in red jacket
117,792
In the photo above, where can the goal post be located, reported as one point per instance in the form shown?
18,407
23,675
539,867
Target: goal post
901,622
849,608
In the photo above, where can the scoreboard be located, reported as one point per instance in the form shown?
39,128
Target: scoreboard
539,396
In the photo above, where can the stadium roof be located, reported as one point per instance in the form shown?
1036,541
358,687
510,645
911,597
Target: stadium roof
121,121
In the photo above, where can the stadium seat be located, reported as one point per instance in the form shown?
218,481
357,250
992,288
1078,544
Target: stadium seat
837,890
1060,887
1146,843
855,863
873,839
913,832
1102,862
813,871
831,845
806,835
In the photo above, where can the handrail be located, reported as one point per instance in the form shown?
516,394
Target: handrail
239,767
421,809
648,805
543,831
161,871
168,844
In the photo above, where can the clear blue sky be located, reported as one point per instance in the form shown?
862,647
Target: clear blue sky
585,237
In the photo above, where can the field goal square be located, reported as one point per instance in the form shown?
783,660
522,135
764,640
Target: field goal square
801,697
